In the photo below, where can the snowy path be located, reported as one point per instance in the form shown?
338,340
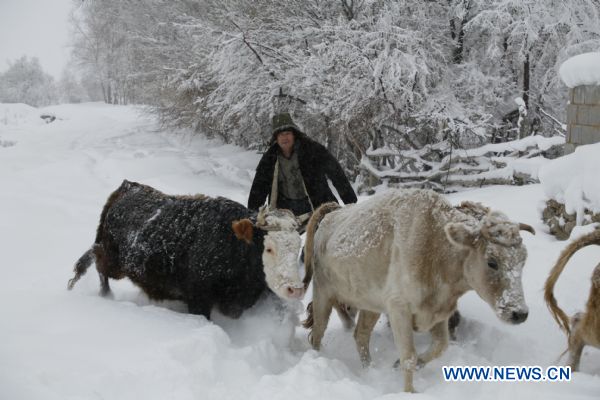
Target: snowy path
56,344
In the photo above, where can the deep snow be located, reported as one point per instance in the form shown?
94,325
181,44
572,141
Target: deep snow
573,180
56,344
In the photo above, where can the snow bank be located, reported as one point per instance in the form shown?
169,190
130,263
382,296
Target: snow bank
18,114
573,180
583,69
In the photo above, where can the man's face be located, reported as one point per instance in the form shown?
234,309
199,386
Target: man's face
285,140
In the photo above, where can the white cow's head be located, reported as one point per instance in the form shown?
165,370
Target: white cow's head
495,260
281,248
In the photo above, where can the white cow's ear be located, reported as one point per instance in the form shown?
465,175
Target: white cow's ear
460,235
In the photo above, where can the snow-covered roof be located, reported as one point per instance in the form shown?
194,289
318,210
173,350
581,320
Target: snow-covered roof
583,69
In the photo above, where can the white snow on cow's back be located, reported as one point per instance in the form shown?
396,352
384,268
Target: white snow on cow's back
376,216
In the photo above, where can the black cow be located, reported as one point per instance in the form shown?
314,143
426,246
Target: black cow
201,250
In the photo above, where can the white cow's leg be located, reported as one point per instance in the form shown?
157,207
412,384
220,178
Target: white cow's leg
362,334
402,328
321,308
439,343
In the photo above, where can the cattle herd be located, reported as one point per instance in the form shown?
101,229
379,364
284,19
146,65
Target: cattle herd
408,254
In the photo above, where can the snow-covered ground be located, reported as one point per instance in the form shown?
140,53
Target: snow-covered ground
56,344
573,180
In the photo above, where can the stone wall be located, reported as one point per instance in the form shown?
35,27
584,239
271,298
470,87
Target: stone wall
583,117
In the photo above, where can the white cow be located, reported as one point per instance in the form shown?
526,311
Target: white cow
411,255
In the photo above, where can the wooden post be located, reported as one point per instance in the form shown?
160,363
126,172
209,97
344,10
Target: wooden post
583,116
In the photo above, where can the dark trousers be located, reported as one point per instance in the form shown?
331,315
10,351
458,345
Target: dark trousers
297,206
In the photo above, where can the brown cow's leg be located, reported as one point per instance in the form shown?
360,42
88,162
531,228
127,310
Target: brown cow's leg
402,328
453,324
439,343
362,334
575,350
576,344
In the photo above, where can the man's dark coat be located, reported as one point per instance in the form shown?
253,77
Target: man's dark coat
316,165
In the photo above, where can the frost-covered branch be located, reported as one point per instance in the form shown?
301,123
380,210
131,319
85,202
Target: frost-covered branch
513,162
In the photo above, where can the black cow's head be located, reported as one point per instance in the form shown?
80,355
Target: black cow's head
281,247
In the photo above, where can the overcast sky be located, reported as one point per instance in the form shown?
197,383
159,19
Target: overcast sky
35,28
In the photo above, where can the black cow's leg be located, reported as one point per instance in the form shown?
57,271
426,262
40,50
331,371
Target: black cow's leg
232,310
104,286
200,308
102,266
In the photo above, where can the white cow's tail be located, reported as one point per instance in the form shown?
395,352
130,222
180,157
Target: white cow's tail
81,266
311,230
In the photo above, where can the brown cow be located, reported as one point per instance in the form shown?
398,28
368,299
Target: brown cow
583,328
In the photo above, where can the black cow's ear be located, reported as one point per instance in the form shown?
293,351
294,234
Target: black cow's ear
243,230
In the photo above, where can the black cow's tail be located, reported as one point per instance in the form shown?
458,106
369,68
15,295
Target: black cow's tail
89,256
81,266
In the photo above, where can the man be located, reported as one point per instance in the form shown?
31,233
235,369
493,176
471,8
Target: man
293,173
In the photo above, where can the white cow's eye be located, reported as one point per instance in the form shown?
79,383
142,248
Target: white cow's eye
269,250
493,264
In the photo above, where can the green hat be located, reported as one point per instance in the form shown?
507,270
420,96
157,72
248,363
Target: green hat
283,122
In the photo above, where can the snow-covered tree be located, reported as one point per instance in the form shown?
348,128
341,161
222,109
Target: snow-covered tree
26,82
355,73
524,39
71,88
102,45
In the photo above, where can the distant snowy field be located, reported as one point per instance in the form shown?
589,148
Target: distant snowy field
55,344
